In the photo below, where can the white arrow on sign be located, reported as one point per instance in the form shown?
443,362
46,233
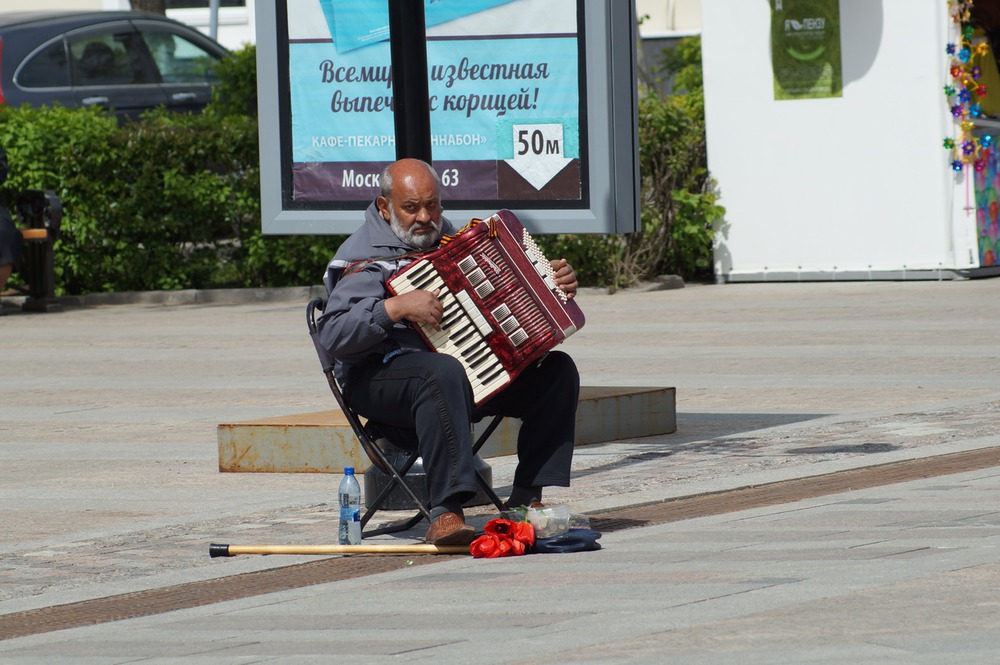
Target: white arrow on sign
538,152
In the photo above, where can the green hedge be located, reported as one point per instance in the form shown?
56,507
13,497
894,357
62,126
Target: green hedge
173,201
678,199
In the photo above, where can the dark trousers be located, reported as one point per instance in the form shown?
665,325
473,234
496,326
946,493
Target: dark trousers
429,393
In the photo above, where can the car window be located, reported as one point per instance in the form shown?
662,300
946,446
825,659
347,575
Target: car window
47,68
107,58
178,59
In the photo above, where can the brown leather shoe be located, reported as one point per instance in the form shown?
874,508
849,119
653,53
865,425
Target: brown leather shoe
450,529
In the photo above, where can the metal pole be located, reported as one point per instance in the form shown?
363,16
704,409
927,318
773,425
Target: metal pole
213,19
408,49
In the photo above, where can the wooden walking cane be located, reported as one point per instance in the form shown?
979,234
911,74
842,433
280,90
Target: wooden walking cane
216,549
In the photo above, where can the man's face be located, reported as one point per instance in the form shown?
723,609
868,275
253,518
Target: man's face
413,209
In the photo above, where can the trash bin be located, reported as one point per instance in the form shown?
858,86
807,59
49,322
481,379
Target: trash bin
41,212
416,478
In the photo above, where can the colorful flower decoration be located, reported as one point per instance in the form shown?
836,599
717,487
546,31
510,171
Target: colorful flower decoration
965,93
503,538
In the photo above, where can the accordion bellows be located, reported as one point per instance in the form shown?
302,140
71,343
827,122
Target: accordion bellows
502,309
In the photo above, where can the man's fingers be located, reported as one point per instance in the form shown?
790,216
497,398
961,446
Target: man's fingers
431,310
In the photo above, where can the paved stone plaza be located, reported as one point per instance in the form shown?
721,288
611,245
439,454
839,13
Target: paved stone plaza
109,484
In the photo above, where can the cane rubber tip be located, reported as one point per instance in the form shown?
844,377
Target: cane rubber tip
215,550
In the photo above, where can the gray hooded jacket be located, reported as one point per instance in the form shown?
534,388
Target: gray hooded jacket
354,328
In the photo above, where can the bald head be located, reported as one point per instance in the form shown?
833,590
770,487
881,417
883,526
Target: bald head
406,168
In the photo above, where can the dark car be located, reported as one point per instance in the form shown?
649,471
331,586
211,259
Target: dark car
125,61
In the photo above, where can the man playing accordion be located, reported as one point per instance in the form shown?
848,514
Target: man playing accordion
389,375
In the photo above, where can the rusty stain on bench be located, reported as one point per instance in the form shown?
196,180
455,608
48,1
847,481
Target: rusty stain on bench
323,442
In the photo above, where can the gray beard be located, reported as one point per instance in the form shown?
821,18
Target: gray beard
412,239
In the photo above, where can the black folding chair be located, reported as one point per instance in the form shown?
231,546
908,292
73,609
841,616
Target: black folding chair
369,438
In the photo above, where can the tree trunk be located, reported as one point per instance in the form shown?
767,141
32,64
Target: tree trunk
155,6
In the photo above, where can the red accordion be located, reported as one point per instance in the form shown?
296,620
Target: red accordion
502,308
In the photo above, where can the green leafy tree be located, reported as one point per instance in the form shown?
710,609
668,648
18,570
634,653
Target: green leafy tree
678,202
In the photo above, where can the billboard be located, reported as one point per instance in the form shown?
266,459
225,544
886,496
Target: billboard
532,107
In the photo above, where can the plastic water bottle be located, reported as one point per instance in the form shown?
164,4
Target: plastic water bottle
349,498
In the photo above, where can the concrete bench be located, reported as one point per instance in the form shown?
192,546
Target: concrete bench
323,442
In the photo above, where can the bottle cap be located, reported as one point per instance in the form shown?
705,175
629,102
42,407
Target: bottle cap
349,471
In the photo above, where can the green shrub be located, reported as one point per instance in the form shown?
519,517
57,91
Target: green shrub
173,201
145,205
235,91
170,202
678,204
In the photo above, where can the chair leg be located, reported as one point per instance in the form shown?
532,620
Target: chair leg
397,480
484,437
394,527
488,491
375,454
483,485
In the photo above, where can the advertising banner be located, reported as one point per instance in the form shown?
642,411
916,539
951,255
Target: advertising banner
506,93
806,49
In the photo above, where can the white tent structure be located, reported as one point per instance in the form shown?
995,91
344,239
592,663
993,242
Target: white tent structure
850,186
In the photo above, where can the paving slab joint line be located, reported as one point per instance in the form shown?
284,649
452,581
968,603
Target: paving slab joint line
790,490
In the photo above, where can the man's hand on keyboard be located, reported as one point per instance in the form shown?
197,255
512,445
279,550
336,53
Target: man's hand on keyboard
416,307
